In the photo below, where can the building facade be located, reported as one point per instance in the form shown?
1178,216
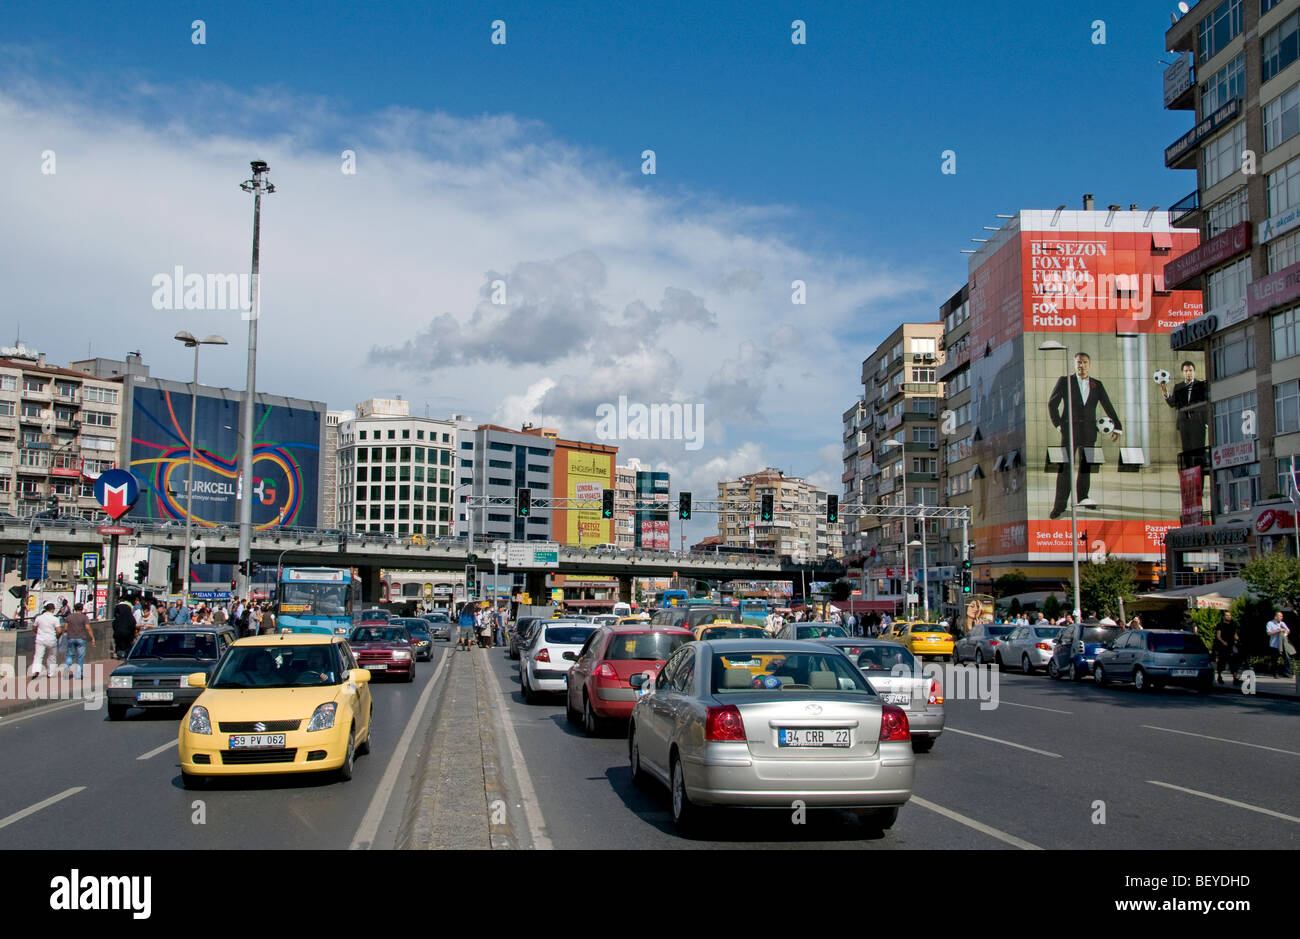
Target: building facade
495,462
330,469
793,530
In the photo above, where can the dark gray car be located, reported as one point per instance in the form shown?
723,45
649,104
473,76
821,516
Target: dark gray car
155,672
980,644
1153,658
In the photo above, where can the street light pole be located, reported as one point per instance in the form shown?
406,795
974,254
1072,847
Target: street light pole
190,342
257,186
1052,345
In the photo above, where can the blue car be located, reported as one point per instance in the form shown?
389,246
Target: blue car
1153,658
1077,648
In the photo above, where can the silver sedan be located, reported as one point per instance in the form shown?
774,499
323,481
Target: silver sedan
1029,647
766,723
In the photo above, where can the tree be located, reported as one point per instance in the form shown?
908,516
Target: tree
1206,621
1052,607
841,590
1015,608
1009,584
1274,577
1101,586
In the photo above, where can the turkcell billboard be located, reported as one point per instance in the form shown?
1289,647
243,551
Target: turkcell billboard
1114,390
287,438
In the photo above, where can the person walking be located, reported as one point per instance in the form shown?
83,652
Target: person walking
44,656
149,619
124,629
1225,648
77,629
1278,639
255,620
466,623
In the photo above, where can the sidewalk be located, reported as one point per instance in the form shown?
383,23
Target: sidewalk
16,647
460,801
1266,686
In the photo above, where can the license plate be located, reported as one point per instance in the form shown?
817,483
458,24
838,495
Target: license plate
154,696
894,698
250,741
377,667
812,737
1184,673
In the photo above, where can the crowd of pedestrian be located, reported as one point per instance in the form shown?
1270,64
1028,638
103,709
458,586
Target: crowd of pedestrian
480,625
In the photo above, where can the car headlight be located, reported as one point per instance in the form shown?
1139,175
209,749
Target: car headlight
401,654
323,719
119,681
199,722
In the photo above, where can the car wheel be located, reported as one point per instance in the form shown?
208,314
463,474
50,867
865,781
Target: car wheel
571,714
956,656
364,748
1025,666
591,724
922,744
878,819
349,758
117,712
530,696
1099,674
410,673
191,781
979,658
639,776
1053,671
686,815
1140,682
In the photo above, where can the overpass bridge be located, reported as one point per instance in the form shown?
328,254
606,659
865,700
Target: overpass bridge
68,538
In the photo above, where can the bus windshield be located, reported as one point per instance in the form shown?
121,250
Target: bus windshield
304,599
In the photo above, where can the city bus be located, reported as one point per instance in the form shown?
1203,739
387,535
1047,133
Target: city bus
753,612
672,598
315,600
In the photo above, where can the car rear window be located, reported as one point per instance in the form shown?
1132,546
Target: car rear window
785,671
885,658
1047,632
733,632
569,635
1100,633
176,646
996,631
826,631
656,646
1188,643
417,628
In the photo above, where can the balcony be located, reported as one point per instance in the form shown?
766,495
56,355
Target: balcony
1203,578
39,394
1186,210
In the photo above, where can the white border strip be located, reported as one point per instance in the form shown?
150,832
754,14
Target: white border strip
978,826
1005,743
44,803
1240,743
528,795
1234,802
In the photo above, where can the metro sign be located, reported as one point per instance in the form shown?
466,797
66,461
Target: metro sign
116,490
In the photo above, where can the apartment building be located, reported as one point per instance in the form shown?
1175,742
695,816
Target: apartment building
794,530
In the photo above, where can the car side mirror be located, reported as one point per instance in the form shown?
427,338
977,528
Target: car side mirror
570,656
197,680
359,676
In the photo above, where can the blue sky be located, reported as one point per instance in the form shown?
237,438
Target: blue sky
826,155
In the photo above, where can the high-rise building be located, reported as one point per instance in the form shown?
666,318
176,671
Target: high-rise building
651,525
496,462
624,496
330,469
793,531
395,471
1238,72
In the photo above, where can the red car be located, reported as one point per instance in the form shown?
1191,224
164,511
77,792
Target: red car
384,649
599,689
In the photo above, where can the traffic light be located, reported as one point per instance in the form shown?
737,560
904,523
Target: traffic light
684,506
524,503
18,592
141,571
471,581
253,568
832,509
966,584
607,503
766,512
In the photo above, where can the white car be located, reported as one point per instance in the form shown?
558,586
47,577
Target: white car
543,667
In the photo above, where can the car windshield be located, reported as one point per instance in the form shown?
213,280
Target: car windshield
1047,632
305,599
820,631
175,646
278,666
569,635
1188,643
653,646
435,617
733,632
378,634
885,659
785,671
1100,634
416,627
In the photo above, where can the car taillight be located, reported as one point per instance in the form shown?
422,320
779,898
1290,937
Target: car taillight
995,642
893,724
935,696
1045,646
724,723
543,656
606,671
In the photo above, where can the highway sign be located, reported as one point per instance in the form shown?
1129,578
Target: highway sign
116,490
534,554
38,556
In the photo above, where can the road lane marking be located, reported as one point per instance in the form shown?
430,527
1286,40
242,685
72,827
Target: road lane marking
1005,743
1033,706
44,803
37,712
156,750
978,826
369,828
528,795
1242,743
1225,801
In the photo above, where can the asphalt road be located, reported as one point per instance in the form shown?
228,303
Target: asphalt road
1054,765
121,788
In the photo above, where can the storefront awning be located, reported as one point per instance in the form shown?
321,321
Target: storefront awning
1217,595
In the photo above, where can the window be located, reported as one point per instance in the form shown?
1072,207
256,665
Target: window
1286,407
404,493
33,384
1284,484
419,435
1237,489
405,454
1282,118
102,395
1227,284
8,383
923,375
98,417
500,464
1227,212
406,435
376,454
1284,188
924,435
923,346
1227,83
957,382
505,447
363,455
392,434
1281,45
1222,155
498,481
361,474
1232,352
467,445
539,451
1266,5
34,411
361,435
65,390
1227,417
467,464
419,454
1218,29
1286,343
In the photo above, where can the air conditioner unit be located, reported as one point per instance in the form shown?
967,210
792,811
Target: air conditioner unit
933,445
928,357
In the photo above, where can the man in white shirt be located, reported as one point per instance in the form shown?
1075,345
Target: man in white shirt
47,641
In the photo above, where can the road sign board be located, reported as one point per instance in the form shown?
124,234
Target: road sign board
38,556
115,530
533,554
116,490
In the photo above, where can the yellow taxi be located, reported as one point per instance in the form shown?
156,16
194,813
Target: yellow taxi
726,629
924,639
280,703
633,620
